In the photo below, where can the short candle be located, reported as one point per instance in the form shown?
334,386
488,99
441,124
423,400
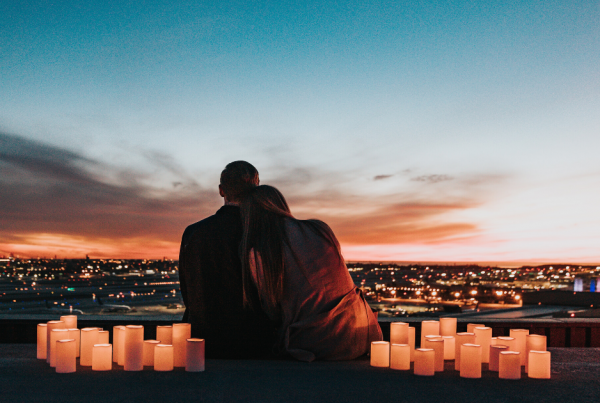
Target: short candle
164,334
89,337
400,356
437,345
116,344
103,337
380,354
461,338
449,347
194,355
399,333
448,326
429,328
539,364
495,356
509,365
148,354
507,341
471,327
102,357
56,335
533,342
50,326
66,362
424,362
470,361
76,335
163,357
70,321
42,342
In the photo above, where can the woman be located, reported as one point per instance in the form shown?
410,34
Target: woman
302,280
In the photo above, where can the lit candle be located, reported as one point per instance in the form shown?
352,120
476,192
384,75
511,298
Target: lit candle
134,348
429,328
400,356
116,344
56,335
471,327
76,335
103,337
470,361
507,341
194,355
164,334
449,347
66,362
70,321
539,364
424,362
121,341
509,365
181,332
448,326
520,342
102,357
380,354
148,354
533,342
483,337
89,337
411,342
163,357
399,333
494,341
42,342
50,326
461,338
437,345
495,356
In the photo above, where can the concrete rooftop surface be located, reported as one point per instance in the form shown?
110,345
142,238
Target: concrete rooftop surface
23,378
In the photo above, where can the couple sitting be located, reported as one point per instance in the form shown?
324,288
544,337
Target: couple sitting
256,282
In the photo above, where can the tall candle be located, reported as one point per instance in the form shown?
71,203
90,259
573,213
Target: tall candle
42,342
163,357
424,362
411,342
121,341
148,353
380,354
55,335
437,345
533,342
164,334
400,356
539,364
103,337
70,321
471,327
399,333
66,362
494,341
448,326
508,342
194,355
470,361
495,356
483,337
449,347
50,326
75,334
89,337
461,338
520,342
509,365
102,357
116,344
181,332
134,348
429,328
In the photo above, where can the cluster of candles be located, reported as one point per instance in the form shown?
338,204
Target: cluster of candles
60,343
440,342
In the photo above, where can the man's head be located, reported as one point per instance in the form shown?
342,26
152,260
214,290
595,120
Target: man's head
236,178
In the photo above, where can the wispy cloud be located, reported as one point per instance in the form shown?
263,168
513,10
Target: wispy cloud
381,177
432,178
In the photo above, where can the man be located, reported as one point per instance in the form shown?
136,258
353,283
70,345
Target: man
210,275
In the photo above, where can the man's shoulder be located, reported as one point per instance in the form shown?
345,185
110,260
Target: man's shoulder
211,223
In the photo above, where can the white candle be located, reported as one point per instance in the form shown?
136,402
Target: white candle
461,338
437,345
533,342
399,333
520,342
449,347
89,337
509,365
495,356
116,345
148,354
411,342
134,348
429,328
424,362
380,354
55,335
42,342
470,361
164,334
102,357
448,326
181,332
121,342
400,356
76,335
194,355
70,321
50,326
539,364
66,362
483,337
508,342
471,327
103,337
163,357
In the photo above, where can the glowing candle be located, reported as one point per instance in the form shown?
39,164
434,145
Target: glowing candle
103,337
380,354
411,342
89,337
495,356
399,333
424,362
449,347
50,326
507,341
533,342
448,326
520,342
429,328
66,362
471,327
470,361
121,342
76,335
494,341
70,321
148,354
461,338
194,355
116,344
437,345
42,342
164,334
163,357
400,356
181,332
539,364
483,337
102,357
55,335
134,348
509,365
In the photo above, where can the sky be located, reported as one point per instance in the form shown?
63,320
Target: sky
419,131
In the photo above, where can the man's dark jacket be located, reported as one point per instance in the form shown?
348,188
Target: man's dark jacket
210,274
